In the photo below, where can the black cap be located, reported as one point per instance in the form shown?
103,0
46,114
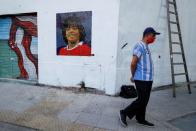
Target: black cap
150,30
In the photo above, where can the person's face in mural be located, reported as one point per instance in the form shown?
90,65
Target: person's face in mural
73,36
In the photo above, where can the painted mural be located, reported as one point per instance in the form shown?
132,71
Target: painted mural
18,46
74,33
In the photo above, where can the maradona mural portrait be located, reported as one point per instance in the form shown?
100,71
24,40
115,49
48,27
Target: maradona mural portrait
74,33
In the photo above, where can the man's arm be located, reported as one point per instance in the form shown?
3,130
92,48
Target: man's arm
133,66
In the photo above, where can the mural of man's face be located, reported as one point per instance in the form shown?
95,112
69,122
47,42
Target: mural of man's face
73,34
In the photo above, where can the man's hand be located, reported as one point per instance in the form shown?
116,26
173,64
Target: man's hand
12,44
132,80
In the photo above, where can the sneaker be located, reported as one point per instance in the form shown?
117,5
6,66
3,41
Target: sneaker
146,123
122,118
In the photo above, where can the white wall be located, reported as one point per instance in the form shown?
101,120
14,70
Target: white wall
187,14
134,17
19,6
98,71
111,28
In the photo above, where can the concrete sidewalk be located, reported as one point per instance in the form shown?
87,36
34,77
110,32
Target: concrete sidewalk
53,109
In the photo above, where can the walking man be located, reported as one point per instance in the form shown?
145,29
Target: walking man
142,76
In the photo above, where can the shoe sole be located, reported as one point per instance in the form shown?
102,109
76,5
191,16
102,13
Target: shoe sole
121,121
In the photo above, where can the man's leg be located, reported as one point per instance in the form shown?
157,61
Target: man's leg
23,72
145,91
132,109
140,115
26,42
13,46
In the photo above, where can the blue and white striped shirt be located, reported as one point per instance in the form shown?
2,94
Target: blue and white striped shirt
144,69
